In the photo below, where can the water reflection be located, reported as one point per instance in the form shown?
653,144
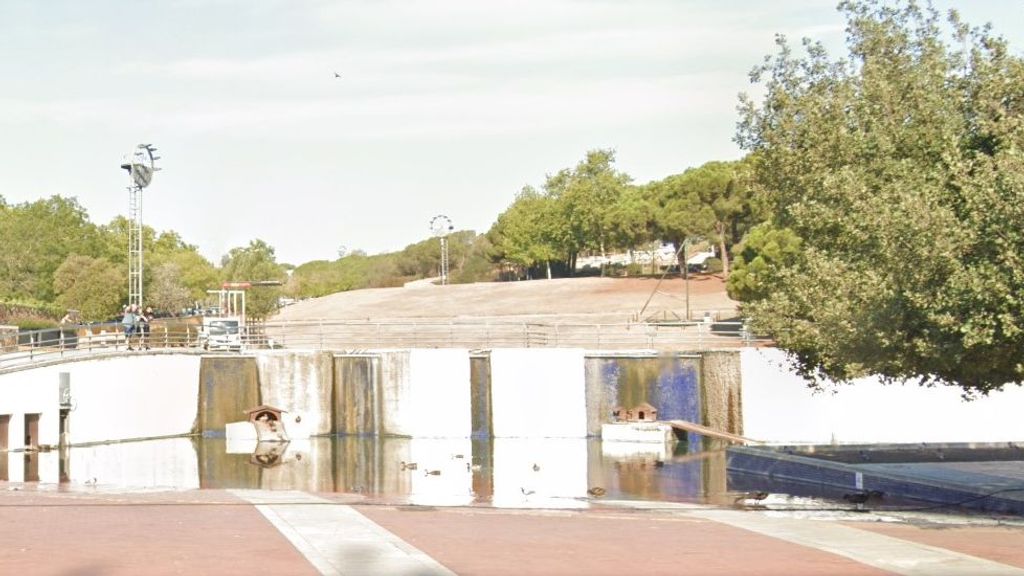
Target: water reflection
548,473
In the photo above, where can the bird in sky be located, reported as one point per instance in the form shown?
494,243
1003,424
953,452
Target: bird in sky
336,75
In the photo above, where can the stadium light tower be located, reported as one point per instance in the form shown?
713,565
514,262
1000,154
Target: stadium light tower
440,226
140,165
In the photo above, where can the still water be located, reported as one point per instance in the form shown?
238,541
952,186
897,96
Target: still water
550,473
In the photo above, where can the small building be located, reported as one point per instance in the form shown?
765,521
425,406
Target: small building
642,412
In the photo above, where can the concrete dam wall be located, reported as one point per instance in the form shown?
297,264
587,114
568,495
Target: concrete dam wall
500,394
450,393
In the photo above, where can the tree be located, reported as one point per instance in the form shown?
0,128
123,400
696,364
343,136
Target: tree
633,218
93,286
36,238
898,169
528,232
197,274
167,291
679,214
255,263
764,252
584,198
725,202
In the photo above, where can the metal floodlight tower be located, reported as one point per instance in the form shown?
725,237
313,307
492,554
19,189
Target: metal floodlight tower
440,226
140,165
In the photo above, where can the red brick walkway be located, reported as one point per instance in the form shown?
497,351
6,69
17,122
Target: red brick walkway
197,532
498,542
214,532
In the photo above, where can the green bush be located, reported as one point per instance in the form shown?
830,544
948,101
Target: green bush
713,265
26,324
634,269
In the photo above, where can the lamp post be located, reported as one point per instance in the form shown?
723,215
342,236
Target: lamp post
440,226
140,165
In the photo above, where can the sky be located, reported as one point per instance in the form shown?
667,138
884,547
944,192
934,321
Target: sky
443,106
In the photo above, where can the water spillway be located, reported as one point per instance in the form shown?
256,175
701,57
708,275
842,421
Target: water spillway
228,386
354,401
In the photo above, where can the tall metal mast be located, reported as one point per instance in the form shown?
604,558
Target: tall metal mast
140,166
440,227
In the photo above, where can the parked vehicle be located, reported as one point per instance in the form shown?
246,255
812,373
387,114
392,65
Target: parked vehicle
221,333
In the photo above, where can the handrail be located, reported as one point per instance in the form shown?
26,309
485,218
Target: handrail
73,342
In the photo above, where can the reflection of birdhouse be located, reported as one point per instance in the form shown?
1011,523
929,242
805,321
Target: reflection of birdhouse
642,412
267,420
268,455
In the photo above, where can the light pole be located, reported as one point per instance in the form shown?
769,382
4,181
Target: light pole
440,226
140,165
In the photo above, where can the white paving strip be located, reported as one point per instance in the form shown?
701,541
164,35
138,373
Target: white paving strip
892,554
338,540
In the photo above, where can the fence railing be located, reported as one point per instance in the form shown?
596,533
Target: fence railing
57,344
324,334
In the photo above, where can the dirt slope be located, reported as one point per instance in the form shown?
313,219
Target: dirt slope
593,299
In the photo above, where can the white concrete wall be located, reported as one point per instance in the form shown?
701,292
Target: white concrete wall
538,393
31,392
48,465
426,393
778,407
133,397
141,396
300,383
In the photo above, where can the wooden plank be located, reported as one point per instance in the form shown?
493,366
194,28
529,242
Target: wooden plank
705,431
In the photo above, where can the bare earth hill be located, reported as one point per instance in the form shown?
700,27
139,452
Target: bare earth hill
607,300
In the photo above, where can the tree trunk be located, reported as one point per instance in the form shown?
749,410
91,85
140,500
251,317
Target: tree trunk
721,247
548,263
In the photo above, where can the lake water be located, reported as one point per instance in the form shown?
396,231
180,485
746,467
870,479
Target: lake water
549,473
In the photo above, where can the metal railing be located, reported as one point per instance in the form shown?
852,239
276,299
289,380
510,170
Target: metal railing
71,342
61,344
325,334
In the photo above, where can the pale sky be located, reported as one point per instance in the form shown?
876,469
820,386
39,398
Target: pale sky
444,107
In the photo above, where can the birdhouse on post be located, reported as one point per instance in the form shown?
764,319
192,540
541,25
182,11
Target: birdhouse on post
642,412
268,423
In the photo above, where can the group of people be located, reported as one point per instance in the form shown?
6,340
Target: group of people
136,323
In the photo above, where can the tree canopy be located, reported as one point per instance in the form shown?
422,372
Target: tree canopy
898,169
256,262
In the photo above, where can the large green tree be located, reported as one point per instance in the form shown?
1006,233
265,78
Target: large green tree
255,263
167,291
530,232
584,198
93,286
35,239
899,169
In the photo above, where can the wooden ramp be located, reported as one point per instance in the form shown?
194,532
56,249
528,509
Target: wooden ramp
705,431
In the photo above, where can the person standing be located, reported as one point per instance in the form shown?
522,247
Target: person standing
128,322
145,323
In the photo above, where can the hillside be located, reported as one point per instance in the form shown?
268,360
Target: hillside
608,300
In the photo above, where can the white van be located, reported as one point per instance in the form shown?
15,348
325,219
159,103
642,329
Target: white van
221,333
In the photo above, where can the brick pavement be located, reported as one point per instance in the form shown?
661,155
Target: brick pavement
216,532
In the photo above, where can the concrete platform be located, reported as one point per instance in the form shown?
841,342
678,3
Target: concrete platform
987,485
